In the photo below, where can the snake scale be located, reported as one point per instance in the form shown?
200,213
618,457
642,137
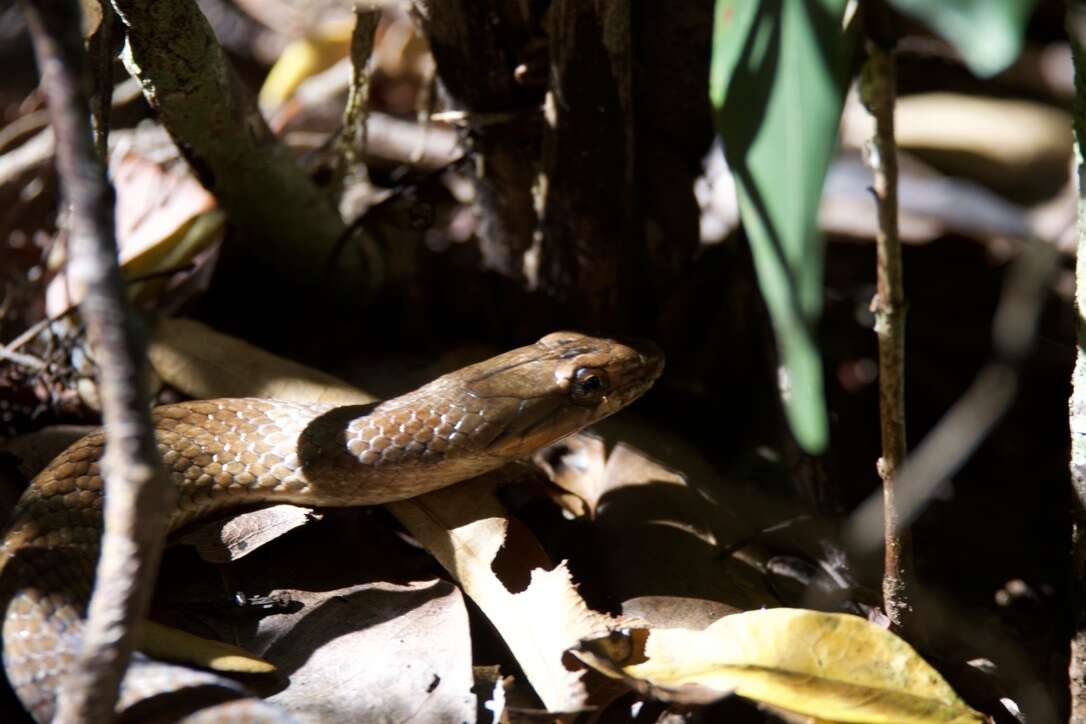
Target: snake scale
233,452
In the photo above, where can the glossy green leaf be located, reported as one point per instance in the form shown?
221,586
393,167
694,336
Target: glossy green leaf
988,33
778,84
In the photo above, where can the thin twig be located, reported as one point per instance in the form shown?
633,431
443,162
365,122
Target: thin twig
1076,31
951,443
101,50
22,359
879,91
138,494
352,142
10,350
123,93
30,333
22,126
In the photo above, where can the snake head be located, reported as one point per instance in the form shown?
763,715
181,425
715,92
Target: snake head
539,394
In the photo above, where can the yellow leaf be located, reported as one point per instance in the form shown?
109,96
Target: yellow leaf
832,666
204,364
303,58
171,644
165,220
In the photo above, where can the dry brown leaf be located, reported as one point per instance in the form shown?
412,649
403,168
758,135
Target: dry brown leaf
465,527
1000,142
650,515
834,666
577,465
230,539
206,364
580,465
677,611
92,17
155,202
165,218
372,652
1012,134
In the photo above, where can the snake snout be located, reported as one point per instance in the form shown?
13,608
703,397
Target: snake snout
650,358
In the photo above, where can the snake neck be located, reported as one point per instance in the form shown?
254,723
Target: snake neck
428,439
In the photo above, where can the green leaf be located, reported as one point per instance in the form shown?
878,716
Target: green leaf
779,74
988,33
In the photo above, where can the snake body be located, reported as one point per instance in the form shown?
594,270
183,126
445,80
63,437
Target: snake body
232,452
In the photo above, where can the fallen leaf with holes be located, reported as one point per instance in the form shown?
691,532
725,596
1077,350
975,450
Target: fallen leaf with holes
467,529
835,667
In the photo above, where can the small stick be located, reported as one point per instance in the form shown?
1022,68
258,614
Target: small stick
138,494
1076,31
878,86
25,360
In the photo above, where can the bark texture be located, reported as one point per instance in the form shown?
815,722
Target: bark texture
139,495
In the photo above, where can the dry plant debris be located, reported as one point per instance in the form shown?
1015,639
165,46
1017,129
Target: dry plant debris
836,667
658,539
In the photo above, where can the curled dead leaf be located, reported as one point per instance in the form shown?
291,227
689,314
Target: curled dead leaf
581,466
225,540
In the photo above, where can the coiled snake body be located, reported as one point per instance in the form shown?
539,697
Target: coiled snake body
232,452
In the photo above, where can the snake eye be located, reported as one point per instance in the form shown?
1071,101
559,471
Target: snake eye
589,386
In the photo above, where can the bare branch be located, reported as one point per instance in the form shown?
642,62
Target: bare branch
1076,31
138,494
216,123
100,47
353,139
951,443
879,88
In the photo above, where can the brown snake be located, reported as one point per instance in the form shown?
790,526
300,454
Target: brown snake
233,452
